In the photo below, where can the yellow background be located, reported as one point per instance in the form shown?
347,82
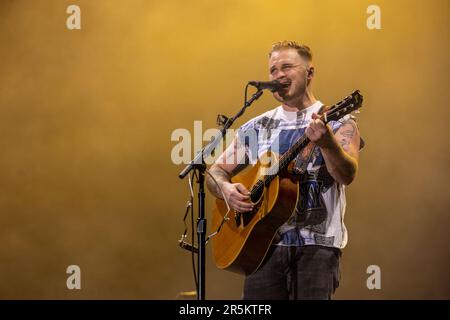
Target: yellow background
86,117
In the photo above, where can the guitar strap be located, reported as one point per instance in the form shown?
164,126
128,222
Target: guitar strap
304,157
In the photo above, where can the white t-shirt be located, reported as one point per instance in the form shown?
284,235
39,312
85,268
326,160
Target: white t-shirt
319,214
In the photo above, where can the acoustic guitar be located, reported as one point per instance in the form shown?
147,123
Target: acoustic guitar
243,239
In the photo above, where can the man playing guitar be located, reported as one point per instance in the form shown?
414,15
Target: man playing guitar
303,260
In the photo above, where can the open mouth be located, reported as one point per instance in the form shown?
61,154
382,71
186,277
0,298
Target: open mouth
285,84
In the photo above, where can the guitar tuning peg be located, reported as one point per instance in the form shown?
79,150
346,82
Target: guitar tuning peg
221,120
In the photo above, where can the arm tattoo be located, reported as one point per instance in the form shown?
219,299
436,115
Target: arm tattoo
221,176
349,129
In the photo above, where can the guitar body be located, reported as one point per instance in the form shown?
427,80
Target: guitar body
245,238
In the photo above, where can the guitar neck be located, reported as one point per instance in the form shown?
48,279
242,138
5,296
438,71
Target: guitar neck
285,159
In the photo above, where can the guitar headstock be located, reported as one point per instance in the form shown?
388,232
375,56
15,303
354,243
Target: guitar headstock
346,106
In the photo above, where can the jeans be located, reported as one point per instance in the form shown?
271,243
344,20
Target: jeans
295,273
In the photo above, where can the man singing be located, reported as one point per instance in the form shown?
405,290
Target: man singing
303,262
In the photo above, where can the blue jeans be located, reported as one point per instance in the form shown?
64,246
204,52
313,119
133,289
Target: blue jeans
295,273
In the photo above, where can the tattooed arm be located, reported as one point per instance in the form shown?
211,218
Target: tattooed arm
221,176
340,150
226,166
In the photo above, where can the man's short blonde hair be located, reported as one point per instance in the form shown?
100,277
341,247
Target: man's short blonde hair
303,50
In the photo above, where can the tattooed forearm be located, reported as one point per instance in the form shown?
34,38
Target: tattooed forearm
221,176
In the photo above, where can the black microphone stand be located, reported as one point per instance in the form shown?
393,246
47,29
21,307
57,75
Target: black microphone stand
198,164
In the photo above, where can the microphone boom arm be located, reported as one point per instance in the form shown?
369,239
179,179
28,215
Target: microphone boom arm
206,151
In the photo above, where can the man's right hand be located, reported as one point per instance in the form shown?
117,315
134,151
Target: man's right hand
238,196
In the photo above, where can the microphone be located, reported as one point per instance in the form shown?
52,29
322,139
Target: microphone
271,85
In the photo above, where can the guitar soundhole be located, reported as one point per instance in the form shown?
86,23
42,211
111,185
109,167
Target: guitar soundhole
256,192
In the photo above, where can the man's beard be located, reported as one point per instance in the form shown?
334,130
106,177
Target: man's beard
286,98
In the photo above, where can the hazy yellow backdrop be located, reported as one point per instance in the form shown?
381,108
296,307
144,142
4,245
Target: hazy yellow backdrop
86,117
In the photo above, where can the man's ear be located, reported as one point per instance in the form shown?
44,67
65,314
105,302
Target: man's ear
310,72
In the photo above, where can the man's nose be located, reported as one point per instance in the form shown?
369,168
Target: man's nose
279,74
